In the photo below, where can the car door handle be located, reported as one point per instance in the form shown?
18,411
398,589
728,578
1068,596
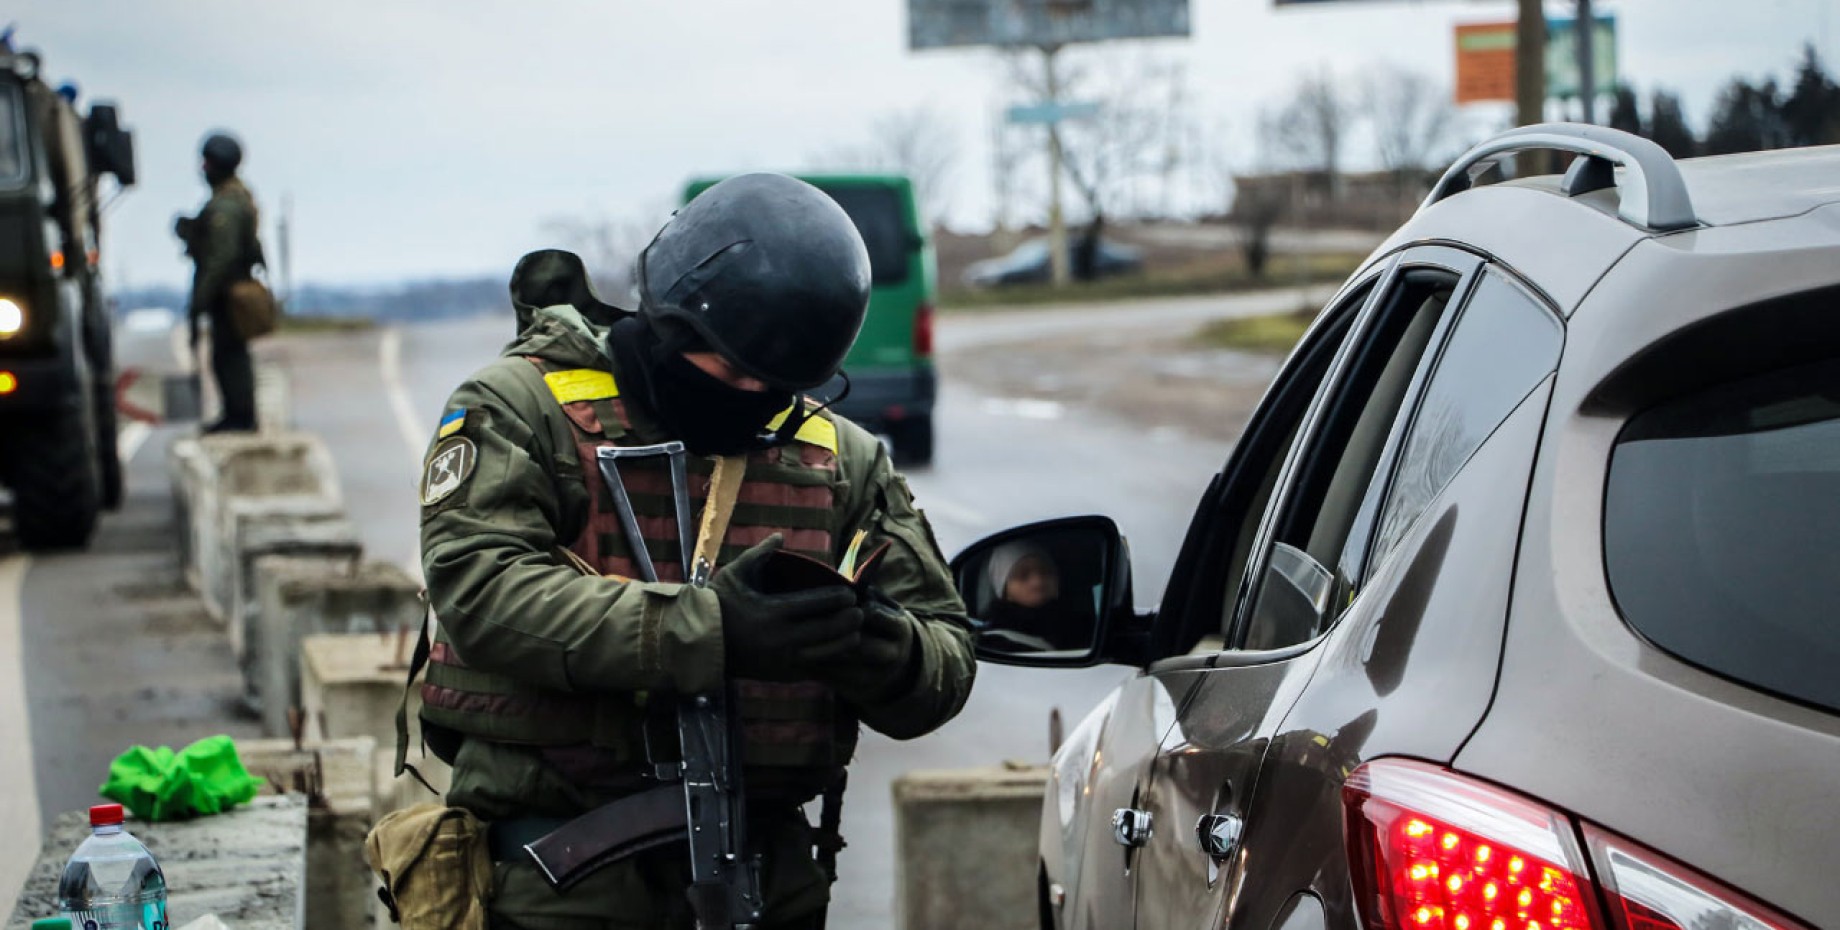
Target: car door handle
1219,835
1131,827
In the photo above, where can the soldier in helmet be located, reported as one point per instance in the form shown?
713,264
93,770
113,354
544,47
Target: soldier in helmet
550,648
222,243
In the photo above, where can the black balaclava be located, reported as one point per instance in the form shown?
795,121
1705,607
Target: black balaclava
710,416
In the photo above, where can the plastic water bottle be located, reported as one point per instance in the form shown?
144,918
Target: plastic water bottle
111,881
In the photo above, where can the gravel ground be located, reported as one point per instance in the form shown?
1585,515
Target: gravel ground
1156,379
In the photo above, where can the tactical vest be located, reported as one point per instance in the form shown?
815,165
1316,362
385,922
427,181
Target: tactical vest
797,735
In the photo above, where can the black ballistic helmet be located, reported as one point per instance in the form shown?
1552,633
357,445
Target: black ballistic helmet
764,269
222,151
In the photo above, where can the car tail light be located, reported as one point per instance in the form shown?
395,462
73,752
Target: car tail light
1434,849
923,331
1646,891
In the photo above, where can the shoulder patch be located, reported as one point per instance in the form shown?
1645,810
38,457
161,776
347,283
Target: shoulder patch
451,423
815,431
449,466
581,384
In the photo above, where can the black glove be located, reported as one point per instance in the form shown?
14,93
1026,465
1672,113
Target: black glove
782,637
885,663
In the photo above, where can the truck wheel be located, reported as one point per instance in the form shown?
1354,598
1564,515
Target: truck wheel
57,487
913,441
108,454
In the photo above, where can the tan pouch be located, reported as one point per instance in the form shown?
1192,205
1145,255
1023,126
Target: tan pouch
253,310
435,868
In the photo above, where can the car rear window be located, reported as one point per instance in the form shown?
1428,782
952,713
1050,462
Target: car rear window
878,216
1722,530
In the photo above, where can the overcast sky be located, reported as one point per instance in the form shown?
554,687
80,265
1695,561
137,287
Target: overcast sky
420,138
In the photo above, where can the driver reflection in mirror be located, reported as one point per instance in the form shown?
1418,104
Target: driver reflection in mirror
1025,610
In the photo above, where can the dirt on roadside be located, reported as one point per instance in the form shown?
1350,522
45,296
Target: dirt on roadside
1159,380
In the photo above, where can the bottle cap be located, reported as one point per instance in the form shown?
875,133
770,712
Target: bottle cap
51,923
104,815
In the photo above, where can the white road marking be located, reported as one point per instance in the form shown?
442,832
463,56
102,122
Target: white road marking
18,787
1026,408
130,440
414,434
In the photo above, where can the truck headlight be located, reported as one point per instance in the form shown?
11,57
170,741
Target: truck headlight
12,318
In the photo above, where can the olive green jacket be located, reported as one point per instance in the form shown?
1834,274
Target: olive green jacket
222,244
509,604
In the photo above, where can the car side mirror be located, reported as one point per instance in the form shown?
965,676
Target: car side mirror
1048,593
111,148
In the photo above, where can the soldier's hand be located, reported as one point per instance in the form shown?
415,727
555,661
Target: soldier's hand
884,663
782,636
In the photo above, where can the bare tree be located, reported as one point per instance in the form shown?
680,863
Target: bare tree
608,246
918,142
1413,118
1309,130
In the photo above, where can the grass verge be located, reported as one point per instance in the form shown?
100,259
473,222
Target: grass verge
1273,334
1215,278
325,324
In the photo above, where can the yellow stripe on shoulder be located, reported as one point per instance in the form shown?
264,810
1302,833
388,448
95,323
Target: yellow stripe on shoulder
816,431
577,384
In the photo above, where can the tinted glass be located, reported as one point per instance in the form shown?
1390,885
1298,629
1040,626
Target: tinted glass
878,216
1722,529
1502,346
12,137
1337,471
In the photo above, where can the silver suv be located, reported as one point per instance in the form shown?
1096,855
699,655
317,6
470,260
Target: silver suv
1515,608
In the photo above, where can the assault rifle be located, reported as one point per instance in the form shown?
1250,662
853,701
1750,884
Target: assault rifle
724,888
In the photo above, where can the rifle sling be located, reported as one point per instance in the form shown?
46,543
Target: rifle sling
609,833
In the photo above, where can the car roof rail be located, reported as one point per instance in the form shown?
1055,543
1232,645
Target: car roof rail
1654,195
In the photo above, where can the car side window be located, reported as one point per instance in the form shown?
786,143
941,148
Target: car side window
1499,350
1300,590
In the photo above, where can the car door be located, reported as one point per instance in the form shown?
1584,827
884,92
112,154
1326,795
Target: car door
1100,889
1301,569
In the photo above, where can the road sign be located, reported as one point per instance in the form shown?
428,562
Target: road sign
1040,23
1049,113
1485,62
1562,56
1485,59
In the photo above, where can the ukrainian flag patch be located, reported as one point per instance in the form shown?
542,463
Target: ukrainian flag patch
451,423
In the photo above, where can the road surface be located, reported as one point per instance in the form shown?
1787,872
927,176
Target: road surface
106,649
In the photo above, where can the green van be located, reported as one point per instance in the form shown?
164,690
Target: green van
892,382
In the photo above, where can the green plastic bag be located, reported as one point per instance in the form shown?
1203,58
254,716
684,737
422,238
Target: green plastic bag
159,784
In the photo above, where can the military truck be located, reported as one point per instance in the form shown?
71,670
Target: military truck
57,406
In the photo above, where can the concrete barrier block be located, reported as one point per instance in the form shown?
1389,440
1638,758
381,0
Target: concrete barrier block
247,866
338,778
244,465
185,466
299,574
253,527
965,848
351,684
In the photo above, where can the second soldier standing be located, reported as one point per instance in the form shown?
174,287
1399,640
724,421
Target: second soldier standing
224,248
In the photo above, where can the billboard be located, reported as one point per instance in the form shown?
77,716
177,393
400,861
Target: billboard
1485,62
1485,59
1038,23
1562,77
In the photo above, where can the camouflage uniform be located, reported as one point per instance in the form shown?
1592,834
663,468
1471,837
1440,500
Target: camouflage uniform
509,605
222,243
